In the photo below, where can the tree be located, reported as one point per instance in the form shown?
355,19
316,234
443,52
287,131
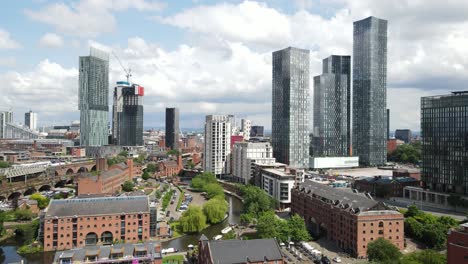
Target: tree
145,176
158,194
256,201
193,220
413,211
215,210
42,201
267,225
173,152
413,228
203,179
128,186
426,256
382,250
190,164
152,167
123,154
435,236
297,229
407,153
213,190
4,164
23,215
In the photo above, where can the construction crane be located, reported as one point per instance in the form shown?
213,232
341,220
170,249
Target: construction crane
128,72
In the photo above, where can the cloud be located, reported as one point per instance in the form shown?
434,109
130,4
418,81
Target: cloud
7,61
88,18
6,42
51,40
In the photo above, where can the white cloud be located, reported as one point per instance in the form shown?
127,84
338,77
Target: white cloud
51,40
6,42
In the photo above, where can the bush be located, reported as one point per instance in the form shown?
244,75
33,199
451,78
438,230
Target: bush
215,210
145,176
167,199
424,257
42,201
382,250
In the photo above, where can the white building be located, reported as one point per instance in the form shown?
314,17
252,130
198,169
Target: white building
245,127
333,162
218,131
278,183
246,154
30,120
6,117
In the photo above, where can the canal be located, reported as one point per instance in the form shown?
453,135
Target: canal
8,248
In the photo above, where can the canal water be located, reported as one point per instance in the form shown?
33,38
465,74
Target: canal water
8,248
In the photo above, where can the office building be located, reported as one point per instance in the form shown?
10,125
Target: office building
6,117
30,120
127,114
94,98
246,126
290,107
444,131
370,91
332,108
172,128
388,124
246,154
83,222
278,183
348,219
257,131
457,244
404,134
216,158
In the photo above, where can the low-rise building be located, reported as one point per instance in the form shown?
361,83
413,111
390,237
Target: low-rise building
457,245
334,162
239,251
348,219
147,253
83,222
385,187
170,167
413,173
246,154
278,183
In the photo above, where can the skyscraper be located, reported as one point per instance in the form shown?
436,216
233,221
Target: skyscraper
172,128
332,103
290,107
444,130
6,117
30,120
218,131
245,127
127,114
93,98
370,91
257,131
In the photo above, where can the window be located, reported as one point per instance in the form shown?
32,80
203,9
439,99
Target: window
380,232
364,231
380,224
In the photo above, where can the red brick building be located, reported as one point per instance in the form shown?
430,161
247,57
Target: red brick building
350,220
95,221
170,167
413,173
457,245
385,187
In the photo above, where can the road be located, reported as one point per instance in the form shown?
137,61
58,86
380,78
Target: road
431,210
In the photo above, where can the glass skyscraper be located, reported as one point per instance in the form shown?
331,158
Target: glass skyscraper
290,107
444,131
94,98
332,102
370,91
172,128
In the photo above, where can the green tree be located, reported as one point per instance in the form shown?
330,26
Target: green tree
406,153
256,201
435,236
193,220
26,234
413,228
23,215
413,211
145,176
190,164
128,186
158,194
267,225
426,256
42,201
152,167
123,153
173,152
213,190
4,164
297,229
382,250
215,210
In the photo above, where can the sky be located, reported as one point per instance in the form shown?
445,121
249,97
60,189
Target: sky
214,57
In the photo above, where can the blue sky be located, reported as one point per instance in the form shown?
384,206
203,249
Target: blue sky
210,57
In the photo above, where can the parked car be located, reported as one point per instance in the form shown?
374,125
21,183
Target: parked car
325,260
337,259
168,213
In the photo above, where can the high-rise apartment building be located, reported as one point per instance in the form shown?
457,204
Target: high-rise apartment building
332,108
257,131
30,120
370,91
218,131
94,98
6,117
246,154
245,127
172,128
127,114
444,131
290,107
404,134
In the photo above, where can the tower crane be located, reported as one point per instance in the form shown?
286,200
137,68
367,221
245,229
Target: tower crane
128,72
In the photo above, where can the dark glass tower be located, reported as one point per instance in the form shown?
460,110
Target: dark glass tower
290,107
444,130
332,95
172,128
127,119
370,91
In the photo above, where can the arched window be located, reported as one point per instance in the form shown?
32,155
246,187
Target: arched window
107,238
91,239
380,224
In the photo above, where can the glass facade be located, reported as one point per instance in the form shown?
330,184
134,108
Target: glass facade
93,98
370,91
332,95
172,128
444,130
290,107
127,119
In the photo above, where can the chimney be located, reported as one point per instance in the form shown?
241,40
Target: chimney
101,164
179,162
130,168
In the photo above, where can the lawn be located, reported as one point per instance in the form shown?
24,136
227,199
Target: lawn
175,229
173,259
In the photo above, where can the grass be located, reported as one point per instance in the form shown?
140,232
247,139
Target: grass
175,229
181,197
166,199
173,259
29,249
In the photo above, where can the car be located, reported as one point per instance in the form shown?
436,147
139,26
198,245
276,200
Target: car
325,260
337,259
168,213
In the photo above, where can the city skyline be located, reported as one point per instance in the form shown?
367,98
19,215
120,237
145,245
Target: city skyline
44,61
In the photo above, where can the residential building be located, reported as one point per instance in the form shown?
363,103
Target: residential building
388,124
348,219
257,251
93,98
278,183
127,114
30,120
370,91
392,144
172,128
246,126
216,158
457,245
444,131
332,108
6,117
290,107
404,134
246,154
145,253
257,131
385,187
83,222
